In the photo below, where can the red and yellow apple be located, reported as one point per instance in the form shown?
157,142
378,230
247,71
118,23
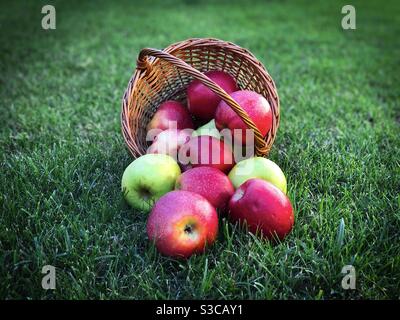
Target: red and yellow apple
182,223
202,102
264,207
171,114
210,183
256,106
170,141
207,151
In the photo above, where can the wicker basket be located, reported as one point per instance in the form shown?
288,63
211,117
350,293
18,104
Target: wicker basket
163,75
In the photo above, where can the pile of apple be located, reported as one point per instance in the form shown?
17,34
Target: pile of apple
188,178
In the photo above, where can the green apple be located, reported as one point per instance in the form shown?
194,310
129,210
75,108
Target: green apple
258,167
148,178
209,129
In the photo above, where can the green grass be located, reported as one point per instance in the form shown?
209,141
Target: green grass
62,153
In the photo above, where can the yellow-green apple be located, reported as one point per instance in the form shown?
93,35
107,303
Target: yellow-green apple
258,167
147,178
202,102
207,151
182,223
209,182
169,142
264,207
171,114
257,108
209,129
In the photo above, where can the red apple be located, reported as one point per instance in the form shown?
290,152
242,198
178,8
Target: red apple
207,151
256,106
264,207
209,182
202,102
182,223
169,142
169,114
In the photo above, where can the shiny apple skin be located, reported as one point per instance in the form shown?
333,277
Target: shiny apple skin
202,102
182,223
169,142
207,151
168,113
255,105
264,207
210,183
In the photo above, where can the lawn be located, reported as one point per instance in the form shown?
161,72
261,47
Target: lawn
62,153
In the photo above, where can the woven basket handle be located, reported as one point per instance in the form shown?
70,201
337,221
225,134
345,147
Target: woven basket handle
144,64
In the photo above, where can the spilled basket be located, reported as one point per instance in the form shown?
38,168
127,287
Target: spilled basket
165,74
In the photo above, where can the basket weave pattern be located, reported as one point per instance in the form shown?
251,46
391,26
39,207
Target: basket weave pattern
163,75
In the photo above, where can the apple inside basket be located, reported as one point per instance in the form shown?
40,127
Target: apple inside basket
163,75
